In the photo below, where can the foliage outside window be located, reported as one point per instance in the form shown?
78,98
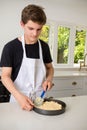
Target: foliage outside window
45,33
79,45
63,43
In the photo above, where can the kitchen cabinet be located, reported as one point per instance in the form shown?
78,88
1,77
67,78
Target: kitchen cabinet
85,86
4,94
68,86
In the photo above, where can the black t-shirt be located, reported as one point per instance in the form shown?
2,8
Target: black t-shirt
12,54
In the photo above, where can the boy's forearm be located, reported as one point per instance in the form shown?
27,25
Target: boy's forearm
9,84
50,74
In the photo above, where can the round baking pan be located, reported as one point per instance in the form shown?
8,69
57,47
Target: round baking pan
51,112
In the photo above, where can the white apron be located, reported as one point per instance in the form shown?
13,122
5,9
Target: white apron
31,75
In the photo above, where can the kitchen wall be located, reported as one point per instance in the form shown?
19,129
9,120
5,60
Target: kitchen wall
58,10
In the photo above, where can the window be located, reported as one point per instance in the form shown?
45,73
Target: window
68,43
80,40
45,33
63,43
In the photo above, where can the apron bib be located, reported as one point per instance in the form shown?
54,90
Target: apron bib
31,75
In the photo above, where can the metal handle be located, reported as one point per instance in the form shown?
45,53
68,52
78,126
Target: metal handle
74,83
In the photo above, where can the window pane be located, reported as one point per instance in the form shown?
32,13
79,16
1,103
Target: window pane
45,33
63,41
79,45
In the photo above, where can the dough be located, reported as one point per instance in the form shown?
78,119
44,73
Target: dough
50,105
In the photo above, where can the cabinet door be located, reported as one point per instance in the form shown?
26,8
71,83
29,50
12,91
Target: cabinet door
64,93
85,86
67,86
68,83
4,94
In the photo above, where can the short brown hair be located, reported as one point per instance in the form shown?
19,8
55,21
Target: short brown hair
34,13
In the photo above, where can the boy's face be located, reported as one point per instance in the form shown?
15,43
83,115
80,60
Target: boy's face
32,30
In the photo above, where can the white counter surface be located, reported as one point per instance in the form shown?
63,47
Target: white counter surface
12,117
70,73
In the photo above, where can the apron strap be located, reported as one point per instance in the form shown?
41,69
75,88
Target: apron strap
40,50
23,45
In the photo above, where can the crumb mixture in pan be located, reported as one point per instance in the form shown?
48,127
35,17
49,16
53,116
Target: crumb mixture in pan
50,105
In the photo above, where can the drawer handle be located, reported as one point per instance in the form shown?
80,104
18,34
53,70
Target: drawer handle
74,83
73,95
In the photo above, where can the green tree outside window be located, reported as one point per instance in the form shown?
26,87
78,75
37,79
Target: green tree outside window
79,45
45,33
63,40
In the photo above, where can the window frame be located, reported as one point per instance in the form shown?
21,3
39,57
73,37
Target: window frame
53,37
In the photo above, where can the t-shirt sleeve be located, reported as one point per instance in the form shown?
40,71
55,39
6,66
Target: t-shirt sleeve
47,55
6,57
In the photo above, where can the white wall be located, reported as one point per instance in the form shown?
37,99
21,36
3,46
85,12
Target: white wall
71,11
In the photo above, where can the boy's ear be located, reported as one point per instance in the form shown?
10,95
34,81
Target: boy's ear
21,23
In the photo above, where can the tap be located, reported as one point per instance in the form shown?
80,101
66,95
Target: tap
85,59
83,63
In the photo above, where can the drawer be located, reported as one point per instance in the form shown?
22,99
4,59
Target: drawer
65,93
67,83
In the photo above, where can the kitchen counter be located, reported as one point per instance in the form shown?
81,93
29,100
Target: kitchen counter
70,73
12,117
